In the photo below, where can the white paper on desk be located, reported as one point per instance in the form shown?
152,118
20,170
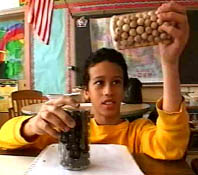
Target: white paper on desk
106,159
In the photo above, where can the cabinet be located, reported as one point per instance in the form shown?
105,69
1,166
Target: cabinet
6,88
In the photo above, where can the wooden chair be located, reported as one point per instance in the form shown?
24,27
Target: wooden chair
23,98
194,165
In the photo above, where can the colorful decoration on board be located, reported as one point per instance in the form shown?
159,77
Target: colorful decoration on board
23,2
12,49
40,16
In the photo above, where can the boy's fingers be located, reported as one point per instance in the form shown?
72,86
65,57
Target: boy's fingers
52,110
55,121
172,16
172,31
64,100
172,6
47,128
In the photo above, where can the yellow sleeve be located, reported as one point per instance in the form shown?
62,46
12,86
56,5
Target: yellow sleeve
170,137
10,136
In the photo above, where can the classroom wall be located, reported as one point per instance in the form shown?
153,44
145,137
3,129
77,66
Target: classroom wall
9,4
150,93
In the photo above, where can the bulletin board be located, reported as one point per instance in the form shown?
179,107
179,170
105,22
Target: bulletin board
12,49
143,63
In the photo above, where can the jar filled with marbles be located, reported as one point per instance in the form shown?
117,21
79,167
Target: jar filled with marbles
74,145
138,30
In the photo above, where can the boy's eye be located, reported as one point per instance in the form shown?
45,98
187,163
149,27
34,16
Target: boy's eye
117,82
98,82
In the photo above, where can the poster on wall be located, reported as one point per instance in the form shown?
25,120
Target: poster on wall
143,63
11,49
49,61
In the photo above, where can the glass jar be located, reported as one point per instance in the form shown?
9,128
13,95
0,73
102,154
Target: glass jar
74,144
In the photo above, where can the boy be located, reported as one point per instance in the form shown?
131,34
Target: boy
105,79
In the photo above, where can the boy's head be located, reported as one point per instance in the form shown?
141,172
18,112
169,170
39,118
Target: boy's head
105,78
105,54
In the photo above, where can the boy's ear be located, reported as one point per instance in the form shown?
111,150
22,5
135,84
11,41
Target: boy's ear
86,95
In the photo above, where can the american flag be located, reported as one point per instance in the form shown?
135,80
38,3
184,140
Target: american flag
40,16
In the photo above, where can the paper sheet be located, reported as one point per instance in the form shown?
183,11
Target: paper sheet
106,159
15,165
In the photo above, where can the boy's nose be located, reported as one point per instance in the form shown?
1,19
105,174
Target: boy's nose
107,90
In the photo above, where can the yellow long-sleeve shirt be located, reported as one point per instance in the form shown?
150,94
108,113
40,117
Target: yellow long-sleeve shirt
168,139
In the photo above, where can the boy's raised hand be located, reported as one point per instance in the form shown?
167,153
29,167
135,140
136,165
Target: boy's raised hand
173,13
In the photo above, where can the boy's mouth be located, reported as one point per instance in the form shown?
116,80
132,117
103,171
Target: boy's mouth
109,103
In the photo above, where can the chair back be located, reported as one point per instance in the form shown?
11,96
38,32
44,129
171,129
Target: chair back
194,165
133,92
25,97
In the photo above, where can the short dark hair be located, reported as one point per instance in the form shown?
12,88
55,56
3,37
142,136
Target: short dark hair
105,54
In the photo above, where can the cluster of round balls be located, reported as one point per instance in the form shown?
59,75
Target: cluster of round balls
74,144
138,30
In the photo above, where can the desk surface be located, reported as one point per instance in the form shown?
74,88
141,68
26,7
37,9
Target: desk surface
148,165
126,109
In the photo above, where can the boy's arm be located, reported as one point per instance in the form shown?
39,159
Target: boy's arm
10,135
170,137
170,53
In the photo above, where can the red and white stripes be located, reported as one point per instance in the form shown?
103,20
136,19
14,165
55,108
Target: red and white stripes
40,16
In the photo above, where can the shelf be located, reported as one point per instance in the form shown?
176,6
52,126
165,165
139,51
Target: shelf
14,13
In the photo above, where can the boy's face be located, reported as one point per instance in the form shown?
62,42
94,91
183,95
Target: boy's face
105,89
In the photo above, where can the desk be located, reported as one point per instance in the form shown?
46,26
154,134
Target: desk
16,162
126,109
